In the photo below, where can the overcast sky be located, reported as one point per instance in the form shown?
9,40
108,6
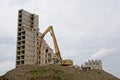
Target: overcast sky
85,29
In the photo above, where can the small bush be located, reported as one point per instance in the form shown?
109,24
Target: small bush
34,73
99,72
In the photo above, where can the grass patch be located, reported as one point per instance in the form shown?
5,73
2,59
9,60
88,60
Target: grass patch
99,72
34,73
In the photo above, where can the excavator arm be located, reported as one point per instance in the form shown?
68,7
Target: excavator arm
49,29
39,49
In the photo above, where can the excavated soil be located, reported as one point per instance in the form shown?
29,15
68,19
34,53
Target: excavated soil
55,72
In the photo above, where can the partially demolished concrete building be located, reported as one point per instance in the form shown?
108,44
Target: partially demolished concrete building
28,39
92,64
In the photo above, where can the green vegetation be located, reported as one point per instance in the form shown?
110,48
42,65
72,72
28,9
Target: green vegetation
99,72
49,72
35,73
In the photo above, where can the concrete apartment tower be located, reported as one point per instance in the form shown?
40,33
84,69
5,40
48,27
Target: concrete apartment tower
28,39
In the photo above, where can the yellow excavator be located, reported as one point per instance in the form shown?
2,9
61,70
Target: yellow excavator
66,62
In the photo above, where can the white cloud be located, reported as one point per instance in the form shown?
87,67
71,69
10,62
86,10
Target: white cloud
105,52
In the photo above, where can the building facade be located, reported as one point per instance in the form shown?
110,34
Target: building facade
47,56
28,39
92,64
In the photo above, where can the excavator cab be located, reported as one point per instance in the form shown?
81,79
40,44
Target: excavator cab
67,62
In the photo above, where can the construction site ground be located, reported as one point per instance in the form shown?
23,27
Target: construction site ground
55,72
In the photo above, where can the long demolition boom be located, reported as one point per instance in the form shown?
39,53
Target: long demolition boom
57,51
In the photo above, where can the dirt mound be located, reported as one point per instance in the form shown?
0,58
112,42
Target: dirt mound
55,72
